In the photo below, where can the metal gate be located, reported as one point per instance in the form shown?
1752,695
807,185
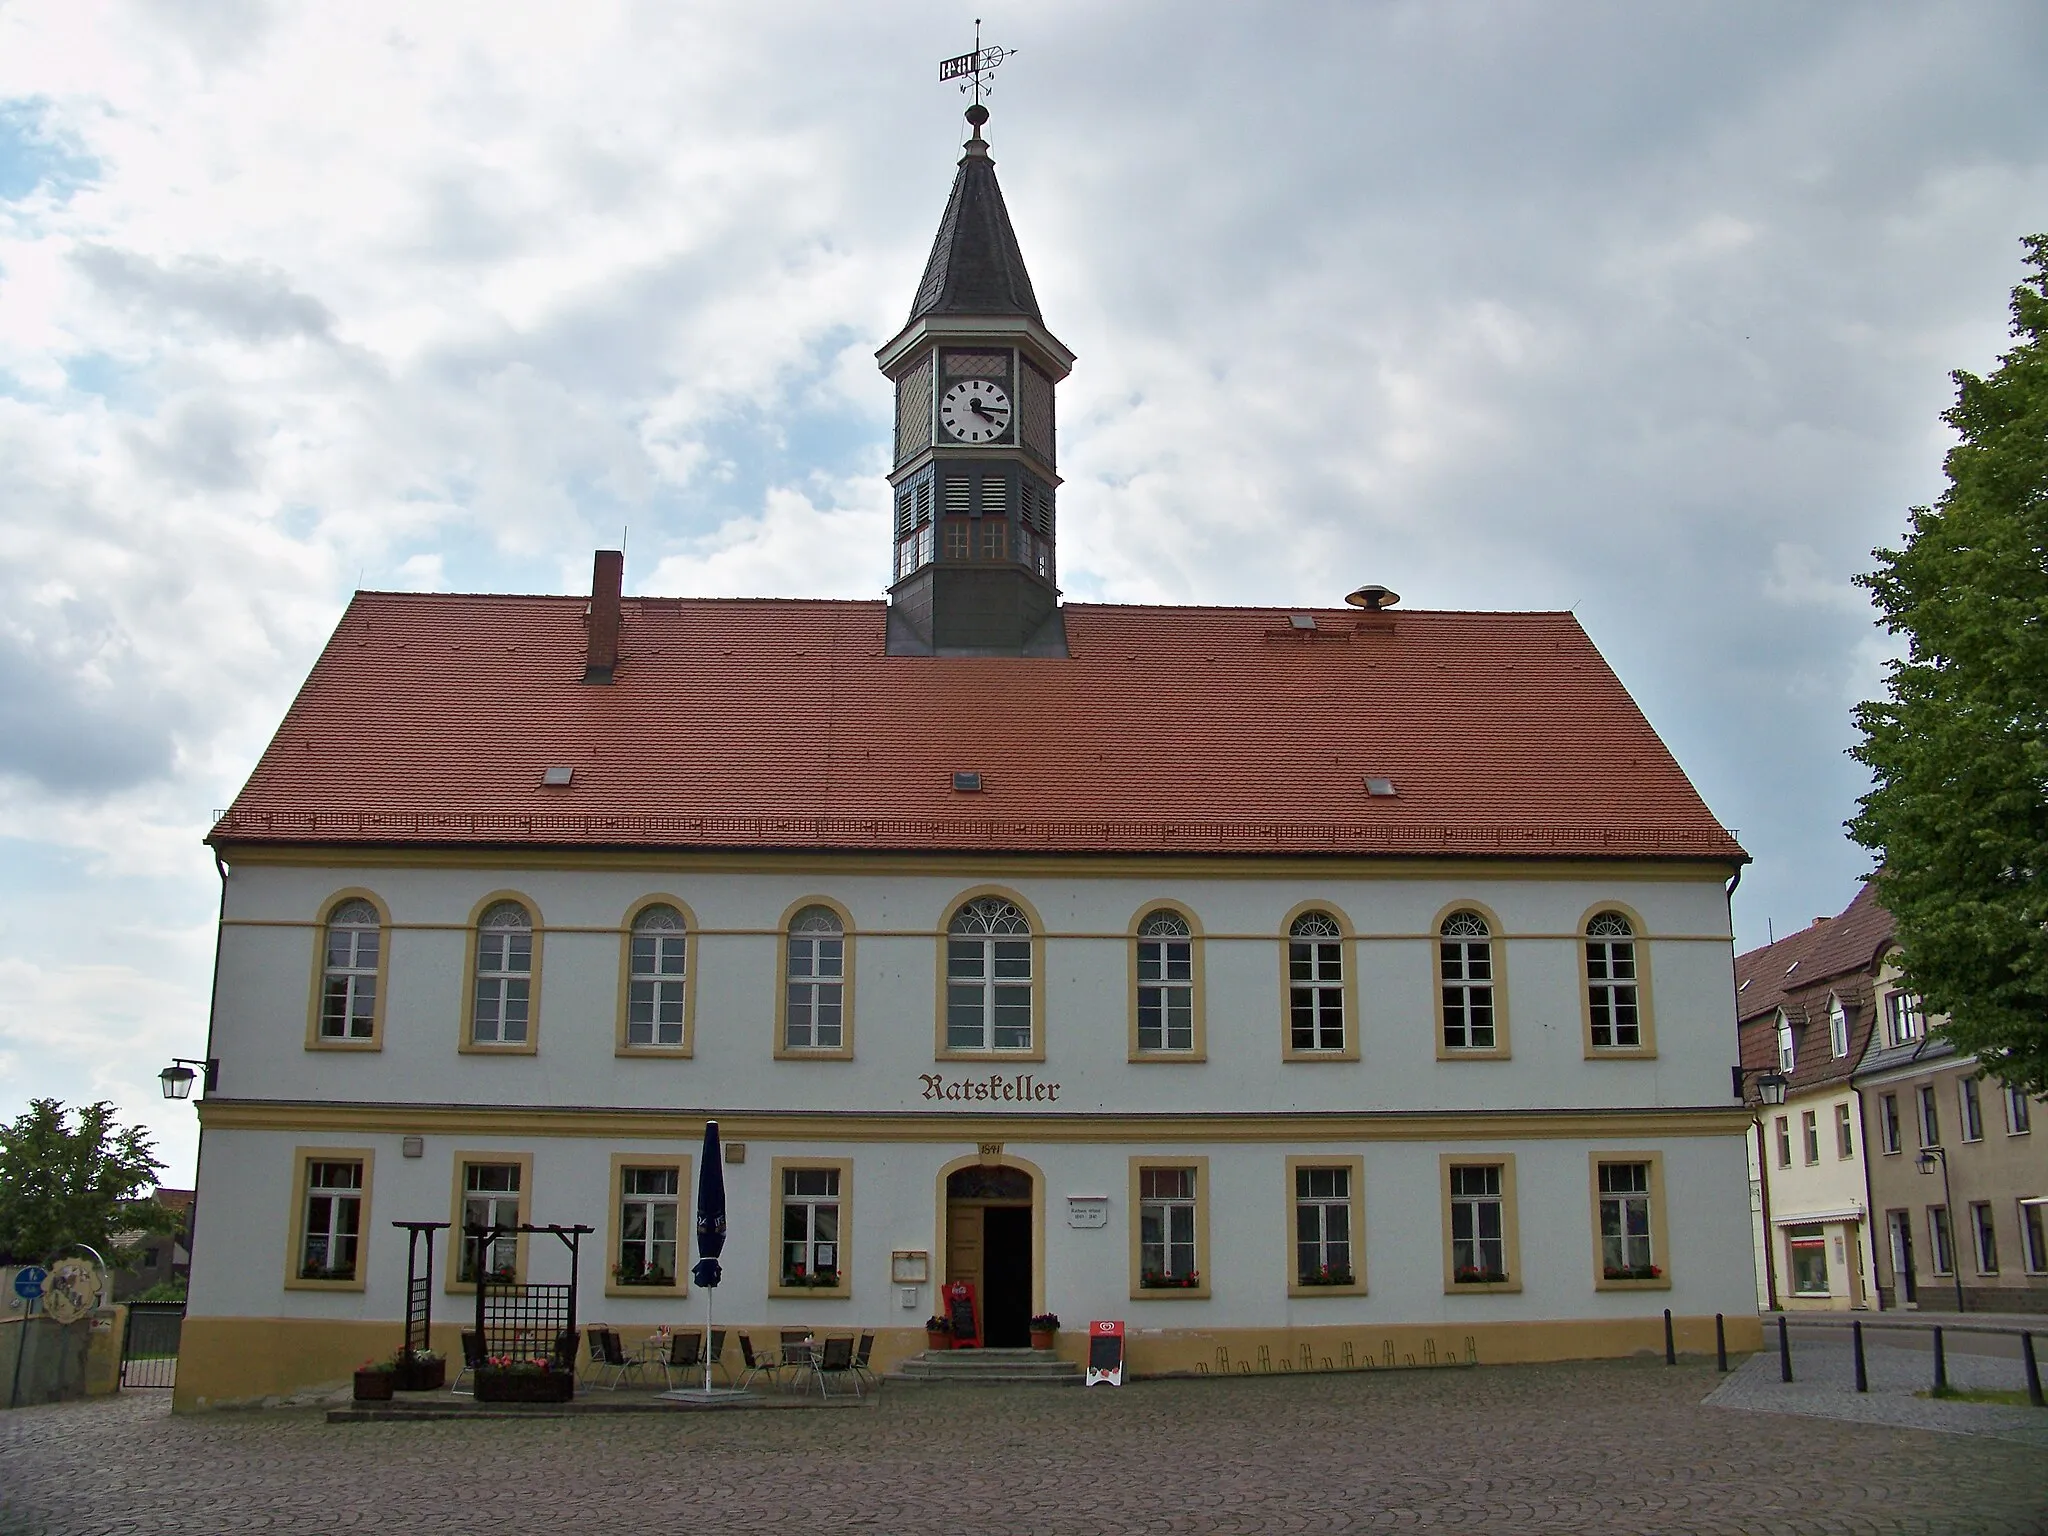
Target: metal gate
149,1345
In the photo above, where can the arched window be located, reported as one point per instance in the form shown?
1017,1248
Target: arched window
815,1019
504,975
1465,960
988,977
1611,983
1787,1054
348,983
1838,1027
1315,983
1166,982
657,985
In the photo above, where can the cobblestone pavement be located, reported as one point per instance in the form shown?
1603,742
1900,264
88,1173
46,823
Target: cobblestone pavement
1620,1446
1823,1385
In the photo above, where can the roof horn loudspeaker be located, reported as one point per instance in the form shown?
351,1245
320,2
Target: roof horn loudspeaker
1373,598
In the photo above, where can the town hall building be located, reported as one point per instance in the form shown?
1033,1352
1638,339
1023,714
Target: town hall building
1307,988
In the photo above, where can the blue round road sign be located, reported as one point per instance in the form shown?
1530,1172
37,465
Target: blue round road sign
28,1283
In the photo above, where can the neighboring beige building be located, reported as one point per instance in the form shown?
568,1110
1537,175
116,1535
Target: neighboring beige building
1974,1218
1806,1007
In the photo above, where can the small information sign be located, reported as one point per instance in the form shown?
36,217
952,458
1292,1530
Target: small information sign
28,1282
960,1312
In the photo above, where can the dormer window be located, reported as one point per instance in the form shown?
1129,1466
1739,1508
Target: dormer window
1787,1055
1838,1028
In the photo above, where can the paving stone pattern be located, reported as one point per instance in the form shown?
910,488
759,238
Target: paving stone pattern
1619,1446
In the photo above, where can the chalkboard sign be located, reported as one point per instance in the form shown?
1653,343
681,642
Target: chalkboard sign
1106,1353
960,1312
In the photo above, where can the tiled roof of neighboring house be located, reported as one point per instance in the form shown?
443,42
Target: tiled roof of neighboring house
783,724
1836,957
175,1199
1847,945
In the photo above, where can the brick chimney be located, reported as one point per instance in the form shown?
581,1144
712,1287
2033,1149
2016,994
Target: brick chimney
602,643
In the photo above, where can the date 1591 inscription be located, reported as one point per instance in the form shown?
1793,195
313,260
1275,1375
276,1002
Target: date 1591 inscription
1019,1087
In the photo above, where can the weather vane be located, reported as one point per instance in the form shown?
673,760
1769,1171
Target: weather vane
973,71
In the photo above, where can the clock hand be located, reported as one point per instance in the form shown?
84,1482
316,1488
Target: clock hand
982,411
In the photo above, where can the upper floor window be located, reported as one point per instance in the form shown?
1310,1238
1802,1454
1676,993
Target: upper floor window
2019,1118
1611,983
988,977
1166,982
1315,983
1465,963
1903,1023
1845,1137
815,987
348,984
1838,1028
1787,1053
504,975
1930,1118
1888,1121
656,988
1972,1103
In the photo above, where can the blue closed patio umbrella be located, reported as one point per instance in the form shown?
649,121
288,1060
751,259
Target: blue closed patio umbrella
710,1230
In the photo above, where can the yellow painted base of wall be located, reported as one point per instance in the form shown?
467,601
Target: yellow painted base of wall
238,1361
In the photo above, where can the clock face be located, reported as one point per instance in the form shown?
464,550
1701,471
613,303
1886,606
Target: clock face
975,410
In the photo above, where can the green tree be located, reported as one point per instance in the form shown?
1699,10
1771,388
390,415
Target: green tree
60,1186
1959,812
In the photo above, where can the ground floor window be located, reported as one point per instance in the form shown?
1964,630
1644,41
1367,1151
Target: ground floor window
334,1213
1625,1248
1322,1226
491,1197
1809,1252
1166,1229
648,1206
1942,1239
810,1227
1985,1235
1478,1226
2034,1238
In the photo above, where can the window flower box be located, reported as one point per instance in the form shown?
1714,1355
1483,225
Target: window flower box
1471,1276
821,1279
1327,1274
1154,1280
1632,1272
623,1276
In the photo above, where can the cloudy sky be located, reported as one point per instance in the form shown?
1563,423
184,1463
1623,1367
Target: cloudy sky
1644,311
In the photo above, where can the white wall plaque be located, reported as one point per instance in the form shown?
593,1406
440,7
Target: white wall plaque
1087,1210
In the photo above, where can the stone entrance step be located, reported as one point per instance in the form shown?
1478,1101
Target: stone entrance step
989,1367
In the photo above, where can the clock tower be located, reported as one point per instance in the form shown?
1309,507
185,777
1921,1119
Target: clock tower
975,480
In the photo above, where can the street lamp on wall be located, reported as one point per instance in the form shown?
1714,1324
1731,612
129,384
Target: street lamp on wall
1770,1083
1926,1162
177,1077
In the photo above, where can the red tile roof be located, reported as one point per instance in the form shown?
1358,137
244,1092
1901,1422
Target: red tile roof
782,724
1839,947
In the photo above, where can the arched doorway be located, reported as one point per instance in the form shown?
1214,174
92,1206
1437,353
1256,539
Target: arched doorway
988,1244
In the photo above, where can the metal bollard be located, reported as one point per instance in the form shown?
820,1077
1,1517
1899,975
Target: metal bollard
2033,1371
1940,1364
1856,1337
1720,1345
1784,1352
1670,1349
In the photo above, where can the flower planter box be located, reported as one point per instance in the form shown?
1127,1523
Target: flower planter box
374,1386
1041,1338
420,1375
937,1341
524,1386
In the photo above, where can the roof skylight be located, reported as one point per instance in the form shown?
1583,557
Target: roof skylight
558,777
967,783
1377,787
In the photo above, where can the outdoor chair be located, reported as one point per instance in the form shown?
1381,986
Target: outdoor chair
836,1360
472,1361
597,1360
565,1351
862,1371
685,1353
757,1365
618,1362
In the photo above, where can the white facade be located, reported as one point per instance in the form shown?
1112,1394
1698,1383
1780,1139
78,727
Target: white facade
1547,1109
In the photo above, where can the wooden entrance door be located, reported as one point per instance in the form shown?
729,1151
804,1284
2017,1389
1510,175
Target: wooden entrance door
978,1200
